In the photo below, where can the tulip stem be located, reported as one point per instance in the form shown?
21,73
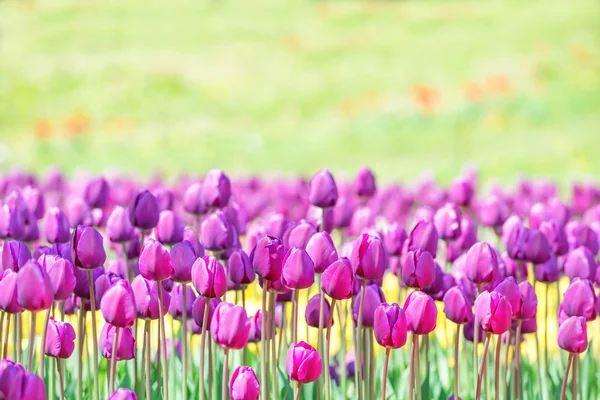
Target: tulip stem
320,338
146,359
273,339
2,327
486,347
113,360
298,391
224,390
43,343
94,334
80,322
505,366
210,369
411,386
203,346
263,352
418,367
456,364
342,345
538,365
563,392
31,341
497,366
245,351
5,348
294,324
358,358
518,361
61,384
475,343
371,362
282,330
546,333
385,372
19,338
327,350
574,377
184,339
163,344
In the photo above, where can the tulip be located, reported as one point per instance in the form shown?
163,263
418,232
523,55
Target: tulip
390,326
34,290
60,339
580,300
164,198
125,347
337,280
481,263
118,226
493,312
118,305
447,222
143,211
88,248
230,326
145,294
537,248
192,201
421,313
467,238
256,333
312,313
457,307
155,261
580,263
580,234
373,297
442,282
123,394
322,251
303,364
299,235
183,257
515,236
394,237
323,191
364,183
510,289
493,211
216,232
572,337
368,257
16,383
298,271
177,301
14,255
342,212
423,236
216,189
208,277
198,308
56,226
97,192
239,268
547,272
8,292
556,237
34,199
169,229
62,277
461,191
528,307
190,235
243,384
418,269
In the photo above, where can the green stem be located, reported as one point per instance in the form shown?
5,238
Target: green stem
163,338
486,347
184,338
574,377
31,342
147,360
327,350
80,352
275,389
61,384
563,392
203,347
518,361
263,352
418,368
358,359
245,351
224,390
43,343
94,334
385,372
5,348
411,386
320,338
456,365
497,369
113,360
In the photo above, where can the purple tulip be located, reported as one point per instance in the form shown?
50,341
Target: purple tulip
337,280
421,313
267,258
537,248
303,363
62,276
14,255
96,193
169,229
322,251
118,305
105,282
239,268
461,191
255,334
183,257
372,299
82,286
580,263
60,339
529,301
364,184
125,343
216,232
164,198
424,236
176,306
580,234
243,384
8,292
547,272
469,331
390,326
191,236
481,264
493,211
34,290
572,335
216,189
312,312
230,326
418,269
342,212
493,312
192,200
143,211
208,277
118,226
299,235
155,261
393,239
88,248
198,310
368,257
145,293
123,394
323,191
457,307
56,226
556,237
298,271
580,300
17,383
510,289
447,222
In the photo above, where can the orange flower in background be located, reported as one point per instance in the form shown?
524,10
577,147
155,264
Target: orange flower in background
42,129
499,84
425,97
76,124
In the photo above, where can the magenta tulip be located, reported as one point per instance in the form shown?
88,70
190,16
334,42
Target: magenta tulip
529,301
580,234
418,269
580,300
60,339
191,236
323,191
183,257
424,236
481,263
303,363
267,258
298,270
394,237
34,290
311,314
88,248
580,263
421,313
547,272
364,183
230,326
155,261
96,193
123,394
390,326
192,200
125,343
243,384
368,257
493,312
239,268
322,251
8,292
176,306
143,211
198,310
62,276
118,305
145,293
216,232
169,229
337,280
299,235
556,237
14,255
373,298
56,226
457,307
493,211
572,335
118,226
216,189
447,222
208,277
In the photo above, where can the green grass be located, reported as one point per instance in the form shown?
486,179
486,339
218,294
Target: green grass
274,87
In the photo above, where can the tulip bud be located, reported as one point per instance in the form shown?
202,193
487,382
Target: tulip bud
169,229
421,313
62,276
580,234
492,211
510,289
276,225
373,297
418,269
96,192
56,226
191,236
312,312
469,331
322,251
457,307
363,219
516,242
303,363
368,257
255,334
580,300
198,310
393,239
118,305
82,286
342,213
125,343
164,198
528,301
537,248
88,248
298,271
337,280
60,339
423,236
461,191
123,394
364,184
143,211
208,277
243,384
155,261
216,232
14,255
323,191
548,271
580,263
118,226
572,335
183,257
556,237
267,258
447,222
216,189
390,326
493,312
176,307
481,263
192,201
34,290
230,326
145,294
239,268
8,292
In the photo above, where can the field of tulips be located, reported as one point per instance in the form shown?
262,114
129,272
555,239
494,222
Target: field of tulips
211,288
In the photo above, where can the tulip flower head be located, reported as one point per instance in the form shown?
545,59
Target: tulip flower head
125,343
368,257
510,289
572,335
374,297
123,394
96,193
580,263
118,305
60,339
457,307
424,236
216,189
216,232
230,326
208,277
267,258
323,191
198,310
418,269
155,261
580,300
145,293
243,384
169,229
338,280
88,248
34,289
14,255
303,363
239,268
481,263
421,313
322,251
298,271
493,312
447,222
56,226
183,257
529,301
390,326
312,311
176,306
143,211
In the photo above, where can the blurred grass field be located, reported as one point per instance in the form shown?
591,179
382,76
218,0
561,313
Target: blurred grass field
287,87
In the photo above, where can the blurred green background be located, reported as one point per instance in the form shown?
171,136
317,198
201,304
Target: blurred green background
285,87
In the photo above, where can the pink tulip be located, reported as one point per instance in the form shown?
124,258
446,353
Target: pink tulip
299,235
123,394
155,261
368,257
216,189
198,310
118,226
239,268
60,339
169,229
298,271
267,258
176,306
481,263
457,307
418,269
390,326
572,335
34,289
323,191
529,301
145,293
303,363
424,236
243,384
580,263
312,311
118,305
322,251
125,344
493,312
183,257
230,327
373,298
580,300
88,248
208,277
8,292
421,313
337,280
447,222
510,289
